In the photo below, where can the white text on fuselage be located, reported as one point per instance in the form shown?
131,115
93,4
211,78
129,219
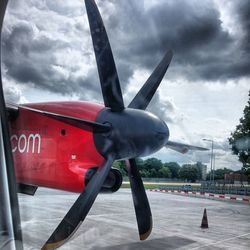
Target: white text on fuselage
26,143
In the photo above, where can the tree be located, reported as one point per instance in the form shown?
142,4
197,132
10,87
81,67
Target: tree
144,173
174,168
139,163
152,163
188,172
153,173
164,172
219,173
120,165
198,165
240,139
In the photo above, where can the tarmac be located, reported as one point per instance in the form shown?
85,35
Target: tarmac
111,222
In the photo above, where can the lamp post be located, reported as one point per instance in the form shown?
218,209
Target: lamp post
213,167
212,151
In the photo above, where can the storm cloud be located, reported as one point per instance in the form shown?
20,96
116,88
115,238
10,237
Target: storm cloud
47,45
193,29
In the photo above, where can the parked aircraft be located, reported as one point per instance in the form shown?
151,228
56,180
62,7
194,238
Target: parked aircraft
72,145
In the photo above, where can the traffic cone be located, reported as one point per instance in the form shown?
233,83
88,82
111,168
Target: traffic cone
204,222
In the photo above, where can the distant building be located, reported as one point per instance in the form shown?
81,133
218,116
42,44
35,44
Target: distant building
203,170
235,178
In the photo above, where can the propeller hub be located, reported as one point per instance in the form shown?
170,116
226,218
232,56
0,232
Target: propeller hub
134,133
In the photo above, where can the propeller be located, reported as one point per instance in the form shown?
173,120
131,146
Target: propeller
114,114
80,208
7,170
113,98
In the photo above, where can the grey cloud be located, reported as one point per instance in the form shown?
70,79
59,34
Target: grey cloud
191,28
31,60
89,87
243,13
68,8
12,95
35,50
161,108
125,71
139,36
26,58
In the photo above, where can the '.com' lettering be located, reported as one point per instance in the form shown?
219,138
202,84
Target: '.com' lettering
26,143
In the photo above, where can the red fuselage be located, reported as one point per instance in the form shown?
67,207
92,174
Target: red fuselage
50,153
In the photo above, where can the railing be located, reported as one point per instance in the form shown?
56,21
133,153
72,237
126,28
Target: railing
211,189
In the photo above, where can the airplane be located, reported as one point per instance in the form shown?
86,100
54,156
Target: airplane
72,145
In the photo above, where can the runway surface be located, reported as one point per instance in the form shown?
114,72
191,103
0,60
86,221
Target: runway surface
111,223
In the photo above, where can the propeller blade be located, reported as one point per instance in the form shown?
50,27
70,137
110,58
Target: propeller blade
76,122
80,208
141,204
144,96
7,170
182,148
109,80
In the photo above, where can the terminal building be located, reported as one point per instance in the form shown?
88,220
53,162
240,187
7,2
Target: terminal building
235,178
203,170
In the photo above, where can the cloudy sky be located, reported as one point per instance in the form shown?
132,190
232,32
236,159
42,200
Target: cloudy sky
48,56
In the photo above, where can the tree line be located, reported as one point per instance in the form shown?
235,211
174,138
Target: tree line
155,168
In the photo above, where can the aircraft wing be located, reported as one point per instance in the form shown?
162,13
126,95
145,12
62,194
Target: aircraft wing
183,148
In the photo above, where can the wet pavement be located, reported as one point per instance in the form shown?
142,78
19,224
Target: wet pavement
111,223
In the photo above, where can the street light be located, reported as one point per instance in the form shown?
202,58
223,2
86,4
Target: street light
213,167
212,150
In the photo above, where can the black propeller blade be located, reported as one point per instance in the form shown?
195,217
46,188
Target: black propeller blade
144,96
142,208
6,157
91,126
109,80
80,208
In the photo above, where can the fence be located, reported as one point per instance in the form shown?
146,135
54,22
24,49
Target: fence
212,189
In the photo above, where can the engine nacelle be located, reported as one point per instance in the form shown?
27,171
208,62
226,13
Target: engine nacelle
113,181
